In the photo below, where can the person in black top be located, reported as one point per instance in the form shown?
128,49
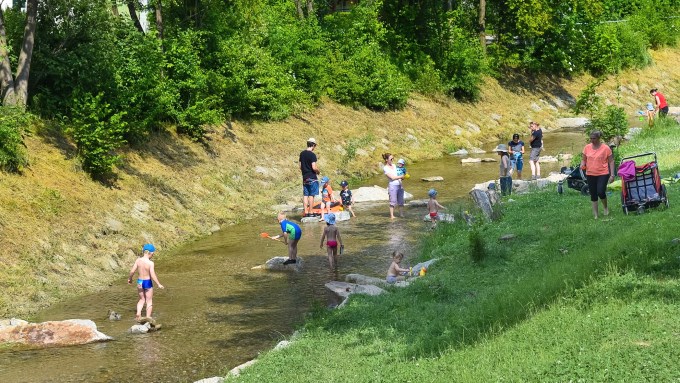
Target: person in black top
346,197
310,182
536,143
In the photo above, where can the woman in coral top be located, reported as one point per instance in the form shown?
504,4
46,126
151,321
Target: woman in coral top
598,163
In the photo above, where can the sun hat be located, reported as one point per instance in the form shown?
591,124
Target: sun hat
343,183
148,247
501,148
650,106
312,140
432,193
325,180
329,218
401,161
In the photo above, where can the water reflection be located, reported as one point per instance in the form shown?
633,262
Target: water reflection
217,313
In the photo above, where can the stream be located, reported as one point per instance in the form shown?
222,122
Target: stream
217,313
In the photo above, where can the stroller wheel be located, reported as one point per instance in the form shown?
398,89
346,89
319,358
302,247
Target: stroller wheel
585,190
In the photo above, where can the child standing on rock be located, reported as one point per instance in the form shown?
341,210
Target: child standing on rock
433,205
145,268
346,197
332,236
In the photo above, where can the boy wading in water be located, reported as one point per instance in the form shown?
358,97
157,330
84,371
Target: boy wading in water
145,269
332,236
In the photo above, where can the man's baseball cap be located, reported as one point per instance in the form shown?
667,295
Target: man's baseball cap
148,247
312,140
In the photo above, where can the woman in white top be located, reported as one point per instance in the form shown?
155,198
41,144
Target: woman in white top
394,186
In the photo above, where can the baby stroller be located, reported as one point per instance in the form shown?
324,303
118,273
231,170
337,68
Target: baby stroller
575,180
641,186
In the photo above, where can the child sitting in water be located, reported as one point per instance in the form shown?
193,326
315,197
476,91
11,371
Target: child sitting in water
433,205
332,235
395,272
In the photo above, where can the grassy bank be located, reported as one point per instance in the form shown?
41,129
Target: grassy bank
63,233
568,299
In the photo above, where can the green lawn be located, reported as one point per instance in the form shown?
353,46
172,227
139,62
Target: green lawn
568,299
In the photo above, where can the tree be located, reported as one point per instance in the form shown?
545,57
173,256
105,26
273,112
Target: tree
14,91
133,15
482,24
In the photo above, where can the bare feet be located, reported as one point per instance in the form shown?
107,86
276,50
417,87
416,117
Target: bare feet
606,212
392,217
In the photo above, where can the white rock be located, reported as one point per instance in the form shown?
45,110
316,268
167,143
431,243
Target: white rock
461,152
472,127
432,179
546,159
477,151
470,160
236,371
345,289
443,217
214,379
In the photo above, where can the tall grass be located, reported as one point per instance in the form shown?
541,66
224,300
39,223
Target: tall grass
568,298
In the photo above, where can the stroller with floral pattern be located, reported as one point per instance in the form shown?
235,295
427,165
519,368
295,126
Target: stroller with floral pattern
641,186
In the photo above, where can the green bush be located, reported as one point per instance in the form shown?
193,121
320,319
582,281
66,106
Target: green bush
97,131
463,68
13,126
477,247
611,121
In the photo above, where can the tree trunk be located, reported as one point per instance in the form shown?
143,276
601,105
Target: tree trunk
114,8
6,79
133,15
310,8
24,63
482,24
159,19
298,7
449,5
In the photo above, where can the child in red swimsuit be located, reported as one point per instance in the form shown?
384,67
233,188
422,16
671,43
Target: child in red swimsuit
332,235
433,205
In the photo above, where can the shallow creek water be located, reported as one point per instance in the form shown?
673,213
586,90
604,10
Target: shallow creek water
218,313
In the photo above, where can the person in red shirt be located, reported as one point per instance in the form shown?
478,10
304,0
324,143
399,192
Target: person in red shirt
661,104
598,163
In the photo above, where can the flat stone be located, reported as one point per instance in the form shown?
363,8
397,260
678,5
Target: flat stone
477,150
546,159
507,237
443,217
374,194
52,333
345,289
366,280
432,179
214,379
470,160
461,152
236,371
572,122
276,264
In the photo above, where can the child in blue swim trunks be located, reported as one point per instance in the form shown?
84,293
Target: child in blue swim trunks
144,266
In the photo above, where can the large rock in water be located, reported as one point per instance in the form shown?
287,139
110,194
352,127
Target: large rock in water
361,279
276,264
374,194
345,289
54,333
486,200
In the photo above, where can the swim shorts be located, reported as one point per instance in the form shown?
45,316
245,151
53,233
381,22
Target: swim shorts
310,187
144,283
433,215
391,279
332,244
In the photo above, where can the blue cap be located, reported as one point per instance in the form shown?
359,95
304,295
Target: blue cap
329,218
432,193
343,183
325,180
148,247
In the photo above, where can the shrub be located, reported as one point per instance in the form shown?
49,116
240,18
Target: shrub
611,121
463,67
13,123
97,131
